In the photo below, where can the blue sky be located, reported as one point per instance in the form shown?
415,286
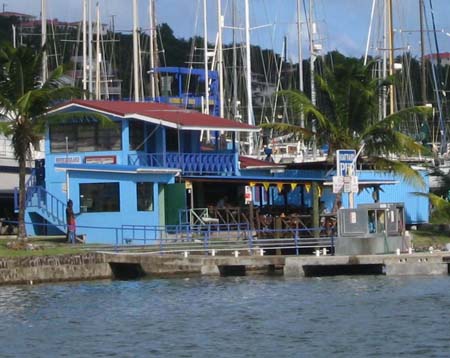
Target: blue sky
342,24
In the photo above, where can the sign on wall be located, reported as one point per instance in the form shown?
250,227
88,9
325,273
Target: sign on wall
345,162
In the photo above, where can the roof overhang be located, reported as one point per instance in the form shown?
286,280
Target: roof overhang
114,168
253,179
369,182
157,121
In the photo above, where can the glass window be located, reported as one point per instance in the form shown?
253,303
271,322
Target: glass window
99,197
172,140
85,137
137,134
109,138
144,193
58,135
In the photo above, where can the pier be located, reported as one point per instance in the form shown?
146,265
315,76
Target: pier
134,265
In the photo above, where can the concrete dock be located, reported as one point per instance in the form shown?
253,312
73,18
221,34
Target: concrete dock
134,265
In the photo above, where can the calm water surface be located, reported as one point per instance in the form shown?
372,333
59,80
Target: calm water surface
372,316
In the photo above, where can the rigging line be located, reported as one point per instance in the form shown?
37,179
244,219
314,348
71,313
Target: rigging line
438,84
192,53
434,78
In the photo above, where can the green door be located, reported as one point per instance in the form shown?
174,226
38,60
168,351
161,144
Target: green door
174,200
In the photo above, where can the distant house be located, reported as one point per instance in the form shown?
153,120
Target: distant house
443,56
19,16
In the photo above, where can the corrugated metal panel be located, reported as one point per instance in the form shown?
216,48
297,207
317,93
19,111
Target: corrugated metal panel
416,206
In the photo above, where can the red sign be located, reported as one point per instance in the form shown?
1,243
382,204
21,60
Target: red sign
101,159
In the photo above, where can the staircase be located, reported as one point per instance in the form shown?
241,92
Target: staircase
45,213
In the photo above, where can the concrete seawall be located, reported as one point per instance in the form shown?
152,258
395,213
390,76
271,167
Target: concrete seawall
413,264
88,266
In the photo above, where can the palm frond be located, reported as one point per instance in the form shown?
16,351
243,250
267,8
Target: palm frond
287,128
403,170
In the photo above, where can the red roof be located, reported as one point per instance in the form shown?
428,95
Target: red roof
160,113
253,163
435,55
16,14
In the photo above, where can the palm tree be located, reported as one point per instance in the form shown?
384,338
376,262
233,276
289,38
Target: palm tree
348,118
24,101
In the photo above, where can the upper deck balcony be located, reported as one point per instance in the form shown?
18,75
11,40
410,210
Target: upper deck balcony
216,163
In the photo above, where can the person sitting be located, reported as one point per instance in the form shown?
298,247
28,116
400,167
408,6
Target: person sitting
222,203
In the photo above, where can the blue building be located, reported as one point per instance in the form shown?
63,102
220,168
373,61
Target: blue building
127,171
152,160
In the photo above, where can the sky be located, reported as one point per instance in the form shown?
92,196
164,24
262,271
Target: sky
342,25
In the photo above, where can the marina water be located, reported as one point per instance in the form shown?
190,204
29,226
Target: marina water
359,316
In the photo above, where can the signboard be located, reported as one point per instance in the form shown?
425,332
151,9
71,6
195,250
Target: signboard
248,194
345,164
100,159
351,184
68,160
338,184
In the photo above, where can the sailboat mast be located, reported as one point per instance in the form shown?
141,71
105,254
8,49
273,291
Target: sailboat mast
14,34
135,53
151,14
391,55
423,79
44,40
84,48
205,57
220,57
300,56
250,118
98,59
300,50
235,77
90,38
312,31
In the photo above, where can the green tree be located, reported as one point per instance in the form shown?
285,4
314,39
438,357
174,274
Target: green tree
347,117
24,101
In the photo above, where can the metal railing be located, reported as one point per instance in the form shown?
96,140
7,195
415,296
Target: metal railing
211,240
189,163
53,208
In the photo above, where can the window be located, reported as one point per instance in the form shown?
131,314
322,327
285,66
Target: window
85,137
172,140
99,197
144,194
137,132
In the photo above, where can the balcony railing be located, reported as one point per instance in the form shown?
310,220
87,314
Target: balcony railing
189,163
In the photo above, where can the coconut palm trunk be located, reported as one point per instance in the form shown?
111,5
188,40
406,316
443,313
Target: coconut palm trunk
22,235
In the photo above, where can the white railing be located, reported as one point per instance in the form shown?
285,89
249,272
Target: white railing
6,150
